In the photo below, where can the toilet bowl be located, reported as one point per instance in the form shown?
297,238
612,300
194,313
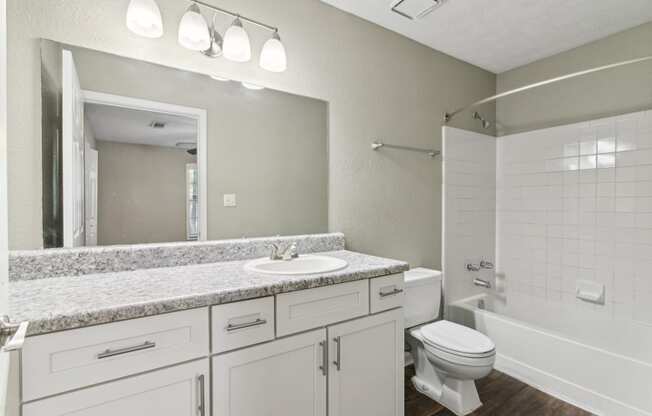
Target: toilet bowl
448,357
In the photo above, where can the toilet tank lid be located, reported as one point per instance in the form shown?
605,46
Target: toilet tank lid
422,276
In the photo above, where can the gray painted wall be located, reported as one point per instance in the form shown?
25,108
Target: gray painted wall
379,85
141,193
612,92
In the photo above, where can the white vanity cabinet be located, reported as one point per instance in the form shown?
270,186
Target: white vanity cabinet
284,377
366,366
361,361
68,360
176,391
335,350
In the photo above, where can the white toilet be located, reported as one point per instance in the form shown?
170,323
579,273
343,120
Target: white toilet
447,357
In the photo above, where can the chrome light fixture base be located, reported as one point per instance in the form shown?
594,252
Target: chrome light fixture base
215,50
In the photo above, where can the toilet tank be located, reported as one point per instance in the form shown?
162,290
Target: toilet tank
422,296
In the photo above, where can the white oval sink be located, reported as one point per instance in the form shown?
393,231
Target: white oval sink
305,264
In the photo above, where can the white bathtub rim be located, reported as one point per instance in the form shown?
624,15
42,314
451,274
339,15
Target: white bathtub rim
464,303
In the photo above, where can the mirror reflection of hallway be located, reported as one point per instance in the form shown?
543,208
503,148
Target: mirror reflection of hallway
145,191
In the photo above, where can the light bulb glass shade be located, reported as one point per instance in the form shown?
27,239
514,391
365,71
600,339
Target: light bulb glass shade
193,30
236,43
273,57
251,86
144,18
220,78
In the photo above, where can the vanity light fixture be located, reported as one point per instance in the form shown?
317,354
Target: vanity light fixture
193,30
251,86
273,57
144,18
236,43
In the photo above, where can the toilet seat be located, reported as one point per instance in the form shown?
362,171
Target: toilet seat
457,342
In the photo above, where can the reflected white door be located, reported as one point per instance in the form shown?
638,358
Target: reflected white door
73,155
90,196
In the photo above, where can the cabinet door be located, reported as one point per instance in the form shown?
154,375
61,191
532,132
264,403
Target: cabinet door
176,391
366,366
284,377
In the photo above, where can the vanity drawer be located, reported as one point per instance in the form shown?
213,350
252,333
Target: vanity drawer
244,323
66,360
312,308
386,292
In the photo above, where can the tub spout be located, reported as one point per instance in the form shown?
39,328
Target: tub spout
482,283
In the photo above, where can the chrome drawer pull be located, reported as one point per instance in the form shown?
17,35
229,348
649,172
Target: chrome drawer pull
392,293
201,407
338,357
110,353
324,358
259,321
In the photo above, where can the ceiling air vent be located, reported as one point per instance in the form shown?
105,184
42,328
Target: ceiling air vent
416,9
157,124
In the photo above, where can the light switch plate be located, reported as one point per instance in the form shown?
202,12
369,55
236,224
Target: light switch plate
230,200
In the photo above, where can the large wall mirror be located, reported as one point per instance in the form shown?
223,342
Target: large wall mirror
134,152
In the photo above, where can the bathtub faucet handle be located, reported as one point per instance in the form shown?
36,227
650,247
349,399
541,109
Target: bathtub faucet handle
472,267
486,264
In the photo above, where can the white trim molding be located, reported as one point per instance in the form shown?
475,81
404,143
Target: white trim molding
4,222
198,114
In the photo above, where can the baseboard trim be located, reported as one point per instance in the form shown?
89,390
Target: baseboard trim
578,396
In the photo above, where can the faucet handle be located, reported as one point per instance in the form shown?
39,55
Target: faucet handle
486,264
472,267
273,255
290,252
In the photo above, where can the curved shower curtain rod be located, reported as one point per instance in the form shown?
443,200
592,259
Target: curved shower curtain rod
449,116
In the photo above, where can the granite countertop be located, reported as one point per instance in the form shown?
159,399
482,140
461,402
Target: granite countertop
60,303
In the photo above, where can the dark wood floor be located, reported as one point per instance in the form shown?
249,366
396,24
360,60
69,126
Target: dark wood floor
500,394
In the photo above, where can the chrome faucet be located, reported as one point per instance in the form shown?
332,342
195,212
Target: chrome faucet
289,253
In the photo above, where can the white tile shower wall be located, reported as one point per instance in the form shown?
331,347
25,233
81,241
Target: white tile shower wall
469,214
574,203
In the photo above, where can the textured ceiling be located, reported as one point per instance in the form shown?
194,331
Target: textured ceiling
125,125
499,35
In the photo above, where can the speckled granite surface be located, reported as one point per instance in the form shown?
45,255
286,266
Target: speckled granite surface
61,303
37,264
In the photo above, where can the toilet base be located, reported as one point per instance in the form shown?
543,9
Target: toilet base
458,396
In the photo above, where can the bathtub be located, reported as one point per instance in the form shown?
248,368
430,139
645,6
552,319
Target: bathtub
565,354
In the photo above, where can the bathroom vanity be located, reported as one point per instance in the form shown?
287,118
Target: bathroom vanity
215,338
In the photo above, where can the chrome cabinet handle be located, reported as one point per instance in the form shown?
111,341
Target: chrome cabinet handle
258,321
110,353
392,293
324,358
338,358
201,407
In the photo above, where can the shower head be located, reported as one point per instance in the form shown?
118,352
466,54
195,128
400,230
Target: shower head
484,122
